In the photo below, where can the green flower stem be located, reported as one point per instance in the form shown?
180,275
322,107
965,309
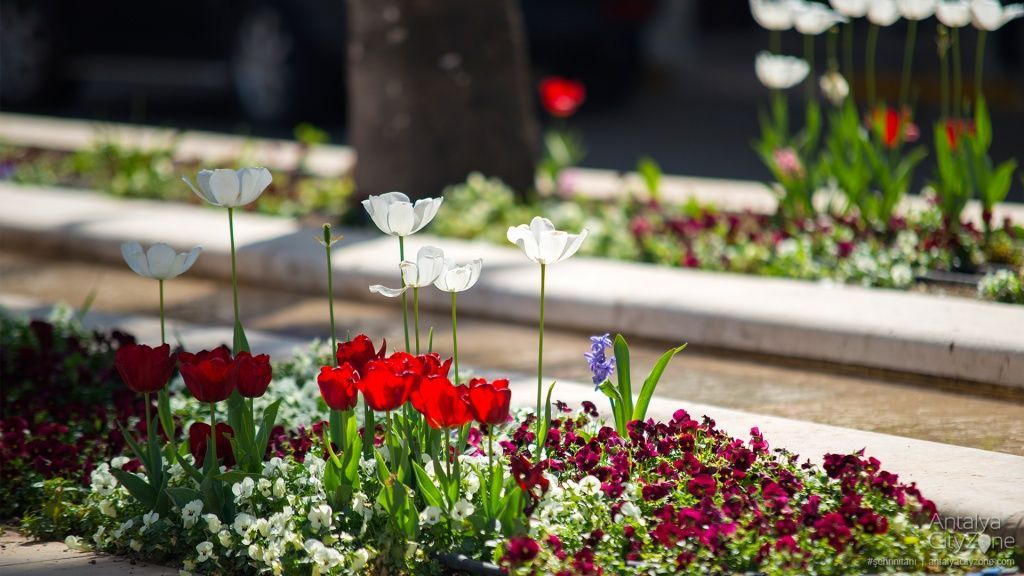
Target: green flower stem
455,340
848,55
540,357
979,65
908,61
330,302
150,432
211,443
775,41
163,333
958,79
944,73
416,315
239,342
872,49
809,55
405,299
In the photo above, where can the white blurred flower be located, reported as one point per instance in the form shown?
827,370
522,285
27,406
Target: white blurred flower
224,537
542,243
954,13
107,508
77,544
834,87
883,12
320,517
462,510
775,15
205,551
430,515
230,188
851,8
990,15
213,523
160,262
148,519
396,215
359,560
780,72
242,523
816,18
243,490
423,272
590,485
458,278
916,9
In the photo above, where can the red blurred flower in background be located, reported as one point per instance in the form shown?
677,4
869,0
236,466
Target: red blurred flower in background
199,440
893,126
251,374
338,386
144,368
208,374
489,401
561,97
442,404
957,128
359,352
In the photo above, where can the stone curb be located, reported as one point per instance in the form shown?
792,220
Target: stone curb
949,338
967,484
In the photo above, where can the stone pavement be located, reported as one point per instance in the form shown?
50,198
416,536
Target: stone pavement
20,556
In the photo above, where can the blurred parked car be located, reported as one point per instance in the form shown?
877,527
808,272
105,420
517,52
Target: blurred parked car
279,58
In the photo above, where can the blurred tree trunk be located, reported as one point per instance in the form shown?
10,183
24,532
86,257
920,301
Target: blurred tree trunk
439,89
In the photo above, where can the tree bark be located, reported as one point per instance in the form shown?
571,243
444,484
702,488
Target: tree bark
439,89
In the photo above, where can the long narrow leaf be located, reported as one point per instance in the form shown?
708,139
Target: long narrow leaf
640,412
622,369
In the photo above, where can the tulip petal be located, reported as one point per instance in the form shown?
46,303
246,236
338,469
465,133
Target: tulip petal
575,241
401,218
200,191
135,257
425,210
161,261
551,245
385,291
190,259
429,265
225,187
253,182
523,237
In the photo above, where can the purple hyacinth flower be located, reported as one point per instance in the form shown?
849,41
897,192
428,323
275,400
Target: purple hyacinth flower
601,366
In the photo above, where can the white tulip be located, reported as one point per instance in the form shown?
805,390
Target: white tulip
542,243
230,188
990,15
780,72
851,8
395,215
883,12
955,14
458,278
160,262
776,15
916,9
423,272
817,18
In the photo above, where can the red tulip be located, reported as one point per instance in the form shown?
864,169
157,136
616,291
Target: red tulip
359,352
444,405
561,96
199,440
433,366
489,402
384,389
251,374
143,368
208,374
338,386
956,129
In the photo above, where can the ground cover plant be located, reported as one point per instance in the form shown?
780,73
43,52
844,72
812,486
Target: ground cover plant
360,457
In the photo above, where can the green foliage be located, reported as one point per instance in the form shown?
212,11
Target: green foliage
790,158
620,396
1003,286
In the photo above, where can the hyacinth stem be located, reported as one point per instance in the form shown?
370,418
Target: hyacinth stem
979,65
416,316
908,62
540,357
872,49
958,79
211,442
330,302
163,332
405,299
455,340
848,56
809,55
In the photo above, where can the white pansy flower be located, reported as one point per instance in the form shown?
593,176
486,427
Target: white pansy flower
472,483
590,485
990,15
462,510
851,8
191,512
243,490
205,551
430,515
423,272
119,462
274,467
279,488
817,18
102,481
242,523
458,278
954,14
148,519
359,560
108,508
320,517
916,9
135,544
396,215
780,72
77,544
883,12
160,262
264,486
542,243
230,188
630,510
213,523
224,537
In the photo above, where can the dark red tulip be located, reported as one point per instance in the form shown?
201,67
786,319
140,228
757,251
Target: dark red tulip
383,388
561,96
338,386
199,439
489,401
143,368
359,352
251,374
443,405
208,374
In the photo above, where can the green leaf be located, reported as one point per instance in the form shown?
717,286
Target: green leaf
233,476
999,184
240,343
640,412
426,487
269,419
650,172
547,421
982,124
182,496
136,449
137,487
622,370
163,404
616,401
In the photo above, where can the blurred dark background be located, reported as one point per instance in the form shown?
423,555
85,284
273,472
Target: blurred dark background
671,79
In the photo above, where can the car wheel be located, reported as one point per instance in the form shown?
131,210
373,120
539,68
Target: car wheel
263,70
28,52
